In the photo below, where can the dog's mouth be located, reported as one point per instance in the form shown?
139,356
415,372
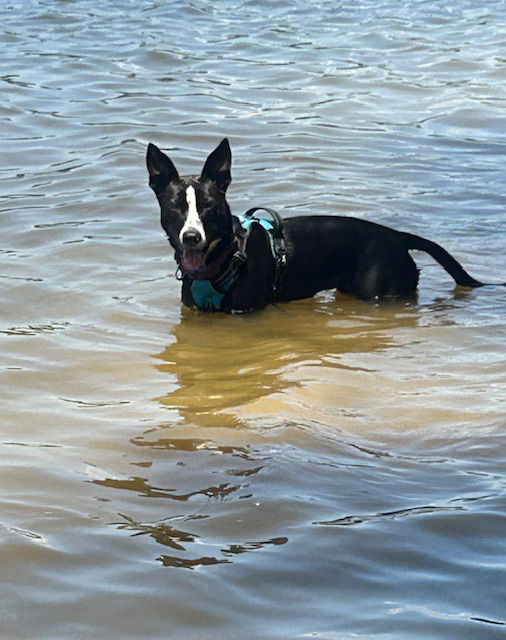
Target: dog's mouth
204,263
193,260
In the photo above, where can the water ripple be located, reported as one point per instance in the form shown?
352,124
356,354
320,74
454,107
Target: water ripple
212,471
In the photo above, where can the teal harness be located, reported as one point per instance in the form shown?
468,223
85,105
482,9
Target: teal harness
208,294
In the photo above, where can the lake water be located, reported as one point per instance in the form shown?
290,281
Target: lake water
327,469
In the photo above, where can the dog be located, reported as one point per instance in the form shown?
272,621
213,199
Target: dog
225,267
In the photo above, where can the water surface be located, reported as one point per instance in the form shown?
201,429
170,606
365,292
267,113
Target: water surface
326,469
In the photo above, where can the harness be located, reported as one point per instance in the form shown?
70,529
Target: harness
208,294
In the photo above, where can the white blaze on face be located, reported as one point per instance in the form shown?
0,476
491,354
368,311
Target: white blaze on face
193,221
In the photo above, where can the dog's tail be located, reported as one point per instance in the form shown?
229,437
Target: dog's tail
448,262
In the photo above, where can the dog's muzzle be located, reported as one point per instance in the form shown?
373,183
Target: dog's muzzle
193,251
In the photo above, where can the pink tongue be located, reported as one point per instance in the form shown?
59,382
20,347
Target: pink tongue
192,259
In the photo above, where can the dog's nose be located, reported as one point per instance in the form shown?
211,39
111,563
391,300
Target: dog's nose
191,237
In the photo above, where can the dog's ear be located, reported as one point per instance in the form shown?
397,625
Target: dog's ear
217,166
160,168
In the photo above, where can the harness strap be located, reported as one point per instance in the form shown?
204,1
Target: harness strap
231,272
276,238
277,227
208,294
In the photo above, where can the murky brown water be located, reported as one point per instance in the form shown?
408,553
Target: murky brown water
326,469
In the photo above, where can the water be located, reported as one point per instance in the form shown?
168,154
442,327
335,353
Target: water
330,469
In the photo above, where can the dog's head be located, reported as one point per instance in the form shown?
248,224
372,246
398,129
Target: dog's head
194,211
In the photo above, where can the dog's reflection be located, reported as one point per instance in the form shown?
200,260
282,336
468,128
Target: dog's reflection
221,363
196,491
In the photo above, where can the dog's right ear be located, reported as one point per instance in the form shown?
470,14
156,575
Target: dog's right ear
160,168
217,166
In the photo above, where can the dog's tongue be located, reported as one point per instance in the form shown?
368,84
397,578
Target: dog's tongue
192,259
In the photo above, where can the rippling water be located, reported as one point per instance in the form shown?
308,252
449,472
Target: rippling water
330,469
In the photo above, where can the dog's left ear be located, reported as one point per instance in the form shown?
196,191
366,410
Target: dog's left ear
217,166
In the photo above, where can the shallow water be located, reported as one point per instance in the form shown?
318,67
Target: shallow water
326,469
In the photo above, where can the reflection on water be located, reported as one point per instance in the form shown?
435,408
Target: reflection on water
167,474
184,541
236,456
221,363
230,467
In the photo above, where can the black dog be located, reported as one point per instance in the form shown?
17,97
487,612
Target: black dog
225,267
